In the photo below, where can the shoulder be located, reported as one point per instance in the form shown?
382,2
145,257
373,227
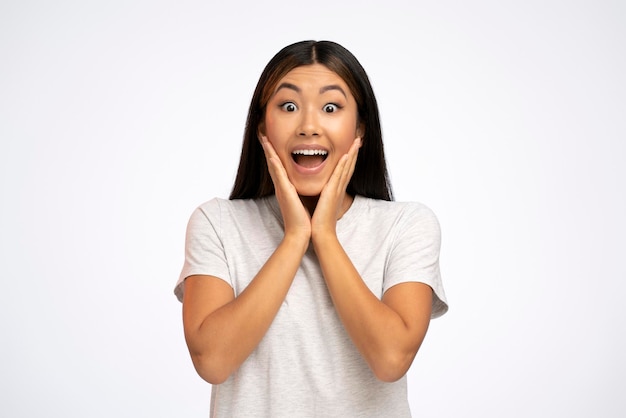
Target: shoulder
211,205
242,212
208,211
218,205
410,211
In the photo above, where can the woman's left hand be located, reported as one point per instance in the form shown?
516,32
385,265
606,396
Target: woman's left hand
330,205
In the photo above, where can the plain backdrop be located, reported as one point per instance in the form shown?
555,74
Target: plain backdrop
507,118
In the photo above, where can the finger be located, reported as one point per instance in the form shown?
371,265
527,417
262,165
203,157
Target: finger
336,179
268,149
349,165
345,168
354,155
275,166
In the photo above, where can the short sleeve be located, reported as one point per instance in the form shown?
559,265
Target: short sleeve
414,256
204,252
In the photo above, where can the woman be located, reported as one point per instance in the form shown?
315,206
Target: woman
308,293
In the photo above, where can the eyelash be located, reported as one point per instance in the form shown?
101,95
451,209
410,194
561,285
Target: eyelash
335,105
285,104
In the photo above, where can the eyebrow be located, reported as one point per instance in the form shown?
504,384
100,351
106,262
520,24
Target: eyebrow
288,86
333,87
322,89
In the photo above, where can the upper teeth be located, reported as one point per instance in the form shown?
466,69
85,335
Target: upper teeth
310,152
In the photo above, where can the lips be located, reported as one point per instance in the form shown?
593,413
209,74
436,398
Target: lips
309,158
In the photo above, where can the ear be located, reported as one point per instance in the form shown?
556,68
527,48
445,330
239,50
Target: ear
360,130
261,129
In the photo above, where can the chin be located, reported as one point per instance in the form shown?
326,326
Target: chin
309,193
309,190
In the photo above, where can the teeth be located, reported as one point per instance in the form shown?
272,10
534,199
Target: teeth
310,152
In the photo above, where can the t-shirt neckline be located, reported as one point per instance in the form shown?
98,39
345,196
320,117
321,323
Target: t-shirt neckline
346,219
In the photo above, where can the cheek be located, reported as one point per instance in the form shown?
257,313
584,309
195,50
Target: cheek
268,125
345,135
276,128
273,133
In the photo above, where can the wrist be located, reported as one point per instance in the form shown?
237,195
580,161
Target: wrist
297,241
322,238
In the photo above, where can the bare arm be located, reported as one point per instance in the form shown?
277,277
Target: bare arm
221,331
387,333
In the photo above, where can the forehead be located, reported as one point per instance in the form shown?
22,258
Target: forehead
312,75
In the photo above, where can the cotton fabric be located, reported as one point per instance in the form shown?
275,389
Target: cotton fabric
306,364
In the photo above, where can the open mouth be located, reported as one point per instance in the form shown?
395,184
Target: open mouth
309,158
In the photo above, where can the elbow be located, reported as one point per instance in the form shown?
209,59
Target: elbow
211,363
210,369
389,374
392,367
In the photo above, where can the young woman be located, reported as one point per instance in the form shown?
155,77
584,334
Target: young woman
308,293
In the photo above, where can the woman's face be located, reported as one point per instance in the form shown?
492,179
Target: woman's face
311,120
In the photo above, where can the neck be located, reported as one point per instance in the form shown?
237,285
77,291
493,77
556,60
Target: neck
310,203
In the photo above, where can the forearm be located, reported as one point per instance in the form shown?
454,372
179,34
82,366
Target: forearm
221,340
387,341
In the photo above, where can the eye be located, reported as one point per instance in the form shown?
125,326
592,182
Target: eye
331,107
289,107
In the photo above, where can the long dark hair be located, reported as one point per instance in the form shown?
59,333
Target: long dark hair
370,178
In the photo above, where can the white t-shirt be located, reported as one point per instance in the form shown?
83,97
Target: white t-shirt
306,365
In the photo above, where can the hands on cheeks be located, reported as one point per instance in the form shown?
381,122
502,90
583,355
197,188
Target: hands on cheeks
295,217
330,205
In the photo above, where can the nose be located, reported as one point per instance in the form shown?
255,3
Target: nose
309,123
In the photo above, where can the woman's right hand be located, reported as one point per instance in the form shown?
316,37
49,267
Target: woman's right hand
295,216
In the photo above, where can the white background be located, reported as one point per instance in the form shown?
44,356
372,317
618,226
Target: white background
507,118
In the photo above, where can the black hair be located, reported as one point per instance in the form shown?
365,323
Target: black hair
370,178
